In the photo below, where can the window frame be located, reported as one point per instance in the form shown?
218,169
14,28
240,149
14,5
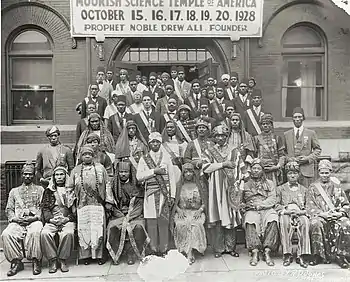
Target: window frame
23,54
307,52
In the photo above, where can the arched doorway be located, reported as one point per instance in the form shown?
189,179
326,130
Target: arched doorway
200,57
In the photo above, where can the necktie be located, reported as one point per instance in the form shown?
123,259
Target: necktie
148,115
298,134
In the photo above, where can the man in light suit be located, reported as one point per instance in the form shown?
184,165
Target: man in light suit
302,143
182,87
105,88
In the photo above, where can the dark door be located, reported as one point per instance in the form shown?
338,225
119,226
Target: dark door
206,69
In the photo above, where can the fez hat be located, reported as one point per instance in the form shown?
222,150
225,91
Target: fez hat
256,93
298,110
100,69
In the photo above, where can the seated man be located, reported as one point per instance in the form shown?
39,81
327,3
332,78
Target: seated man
58,219
125,205
260,219
24,215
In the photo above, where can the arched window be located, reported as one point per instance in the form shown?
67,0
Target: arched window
303,72
30,77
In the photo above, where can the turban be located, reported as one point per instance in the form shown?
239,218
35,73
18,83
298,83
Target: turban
187,166
51,130
28,167
325,164
173,96
123,71
180,69
184,107
93,137
298,110
130,122
234,74
132,77
124,166
204,101
256,161
60,168
253,79
169,82
153,74
221,130
266,117
256,93
155,136
244,81
225,75
202,122
237,115
165,74
94,115
173,68
194,81
100,69
121,98
220,85
87,149
292,166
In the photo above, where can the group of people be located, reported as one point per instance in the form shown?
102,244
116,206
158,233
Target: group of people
181,167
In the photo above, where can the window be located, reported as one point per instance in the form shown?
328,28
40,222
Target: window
303,72
31,89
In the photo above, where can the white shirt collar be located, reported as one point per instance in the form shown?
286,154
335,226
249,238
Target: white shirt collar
301,129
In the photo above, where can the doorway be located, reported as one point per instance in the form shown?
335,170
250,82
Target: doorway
191,72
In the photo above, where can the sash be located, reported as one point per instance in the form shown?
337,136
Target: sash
145,121
253,120
193,105
178,94
179,91
216,108
229,93
183,131
132,111
116,118
171,153
167,117
324,196
133,161
197,147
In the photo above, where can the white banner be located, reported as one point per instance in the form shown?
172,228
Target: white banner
157,18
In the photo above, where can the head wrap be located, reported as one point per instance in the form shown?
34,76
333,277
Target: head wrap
130,122
203,122
51,130
60,168
180,69
169,82
153,74
125,71
221,130
121,98
28,167
220,85
136,93
188,166
266,117
94,115
165,74
93,137
234,74
292,165
252,78
194,81
204,101
256,93
173,68
132,77
244,81
87,149
225,75
184,107
155,136
100,69
325,164
256,161
298,110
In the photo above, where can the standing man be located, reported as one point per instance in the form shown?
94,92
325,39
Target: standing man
156,91
104,88
24,217
162,103
194,97
123,87
218,106
173,74
140,86
234,83
110,77
94,98
302,143
228,89
186,123
254,114
182,87
204,110
160,190
243,100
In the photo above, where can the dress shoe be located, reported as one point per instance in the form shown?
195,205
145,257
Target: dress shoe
217,255
234,254
36,266
85,261
269,261
255,259
302,262
53,266
101,261
287,259
16,266
342,262
64,266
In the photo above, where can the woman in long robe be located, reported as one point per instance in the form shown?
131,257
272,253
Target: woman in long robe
87,192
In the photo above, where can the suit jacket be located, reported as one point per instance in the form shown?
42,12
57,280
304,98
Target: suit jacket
115,124
106,91
157,93
162,105
193,104
216,110
230,90
101,105
183,89
240,106
157,120
308,146
113,84
248,122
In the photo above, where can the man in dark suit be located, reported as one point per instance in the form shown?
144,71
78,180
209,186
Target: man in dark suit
302,143
156,91
218,106
193,99
110,78
254,114
93,98
242,101
162,103
204,113
182,87
105,88
149,120
117,121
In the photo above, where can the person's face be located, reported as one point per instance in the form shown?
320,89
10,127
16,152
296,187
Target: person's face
164,78
298,120
169,90
188,174
170,129
243,88
184,114
138,78
123,75
147,102
109,75
91,108
251,83
60,177
124,175
95,123
220,139
100,76
204,109
229,111
144,81
173,74
256,101
132,131
94,90
266,126
27,177
54,138
138,98
155,145
172,105
256,171
87,158
233,81
204,92
225,81
210,94
160,83
235,122
196,88
202,130
211,81
181,75
152,81
292,176
121,107
133,86
94,144
219,93
324,174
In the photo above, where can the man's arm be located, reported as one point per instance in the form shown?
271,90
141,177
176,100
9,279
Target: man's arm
83,109
143,172
315,148
10,207
39,165
69,159
271,199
